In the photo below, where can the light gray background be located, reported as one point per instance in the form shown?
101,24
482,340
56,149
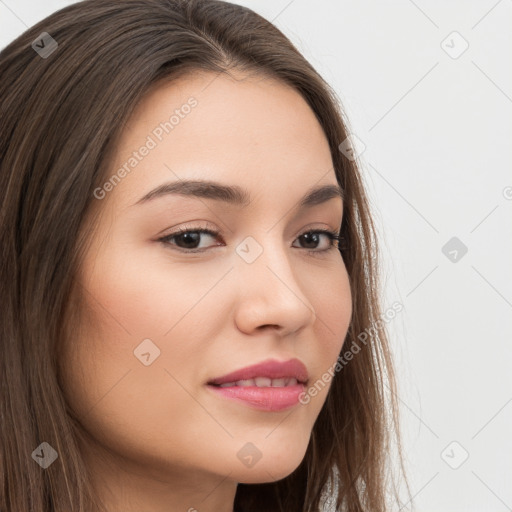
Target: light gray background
436,132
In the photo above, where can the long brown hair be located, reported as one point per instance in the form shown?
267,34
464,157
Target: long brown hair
62,114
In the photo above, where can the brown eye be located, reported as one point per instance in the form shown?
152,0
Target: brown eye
187,239
314,237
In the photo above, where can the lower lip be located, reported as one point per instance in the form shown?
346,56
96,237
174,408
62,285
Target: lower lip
265,398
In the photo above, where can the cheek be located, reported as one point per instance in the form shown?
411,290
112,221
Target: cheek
147,294
332,301
121,401
129,301
139,320
333,306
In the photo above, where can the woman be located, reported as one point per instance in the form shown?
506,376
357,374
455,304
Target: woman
188,272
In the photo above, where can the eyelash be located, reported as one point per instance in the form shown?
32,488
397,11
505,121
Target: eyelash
333,237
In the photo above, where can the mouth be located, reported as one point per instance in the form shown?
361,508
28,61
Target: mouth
261,382
269,373
269,386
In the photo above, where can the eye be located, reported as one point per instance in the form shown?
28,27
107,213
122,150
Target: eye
314,236
188,239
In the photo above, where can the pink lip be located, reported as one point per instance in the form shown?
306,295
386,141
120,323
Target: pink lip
270,368
265,398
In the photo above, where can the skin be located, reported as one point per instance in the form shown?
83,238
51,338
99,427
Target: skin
157,438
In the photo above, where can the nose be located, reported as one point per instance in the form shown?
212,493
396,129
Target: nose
270,295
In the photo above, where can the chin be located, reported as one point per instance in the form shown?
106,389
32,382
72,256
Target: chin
272,468
264,474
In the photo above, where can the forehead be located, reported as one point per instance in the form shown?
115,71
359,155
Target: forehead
252,131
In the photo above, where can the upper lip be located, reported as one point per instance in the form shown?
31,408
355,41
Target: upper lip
271,368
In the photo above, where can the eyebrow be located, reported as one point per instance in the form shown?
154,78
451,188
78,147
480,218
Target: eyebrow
233,194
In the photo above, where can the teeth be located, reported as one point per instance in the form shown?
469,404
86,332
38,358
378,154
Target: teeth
262,382
244,383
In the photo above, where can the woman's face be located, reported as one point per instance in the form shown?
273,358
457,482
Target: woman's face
163,321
